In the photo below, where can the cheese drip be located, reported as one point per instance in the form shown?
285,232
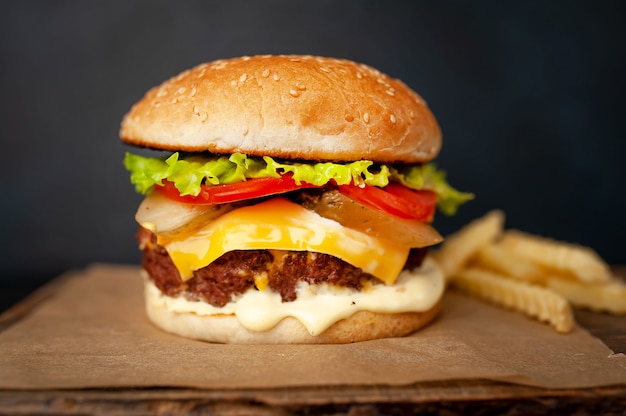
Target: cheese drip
319,306
280,224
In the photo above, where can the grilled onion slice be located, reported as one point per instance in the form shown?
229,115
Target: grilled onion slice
167,217
375,222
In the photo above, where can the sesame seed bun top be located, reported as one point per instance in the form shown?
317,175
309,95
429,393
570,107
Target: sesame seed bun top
294,107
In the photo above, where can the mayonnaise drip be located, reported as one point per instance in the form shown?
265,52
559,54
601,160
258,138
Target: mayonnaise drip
317,307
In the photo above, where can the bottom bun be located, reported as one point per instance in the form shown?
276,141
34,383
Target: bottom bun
361,326
225,327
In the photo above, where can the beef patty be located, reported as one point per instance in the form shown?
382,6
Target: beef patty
237,271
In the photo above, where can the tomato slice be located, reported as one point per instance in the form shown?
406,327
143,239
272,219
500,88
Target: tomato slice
221,194
395,199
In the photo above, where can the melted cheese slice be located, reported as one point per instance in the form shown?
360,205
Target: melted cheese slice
283,225
317,307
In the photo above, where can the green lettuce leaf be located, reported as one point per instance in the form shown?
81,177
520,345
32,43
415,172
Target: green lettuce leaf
427,176
188,172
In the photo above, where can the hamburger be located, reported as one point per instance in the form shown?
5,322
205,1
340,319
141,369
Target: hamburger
291,201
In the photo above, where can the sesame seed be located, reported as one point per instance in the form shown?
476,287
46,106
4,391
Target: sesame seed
194,90
276,77
359,75
233,83
204,116
324,69
349,118
244,130
180,90
300,86
393,119
181,75
391,92
196,110
366,117
243,78
293,92
265,73
161,92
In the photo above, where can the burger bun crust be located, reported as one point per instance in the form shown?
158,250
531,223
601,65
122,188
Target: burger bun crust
292,107
361,326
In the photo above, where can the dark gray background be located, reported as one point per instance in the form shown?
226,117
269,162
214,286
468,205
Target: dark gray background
530,97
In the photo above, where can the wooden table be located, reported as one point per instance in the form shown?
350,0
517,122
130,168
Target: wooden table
448,398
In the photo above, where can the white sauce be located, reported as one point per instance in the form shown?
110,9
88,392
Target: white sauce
319,306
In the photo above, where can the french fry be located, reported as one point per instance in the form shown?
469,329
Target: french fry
608,297
496,258
458,248
578,261
537,276
534,301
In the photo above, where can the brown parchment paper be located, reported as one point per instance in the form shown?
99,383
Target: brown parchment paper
93,333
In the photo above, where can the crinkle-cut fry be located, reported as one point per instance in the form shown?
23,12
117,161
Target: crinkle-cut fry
498,259
534,301
579,261
459,247
607,297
